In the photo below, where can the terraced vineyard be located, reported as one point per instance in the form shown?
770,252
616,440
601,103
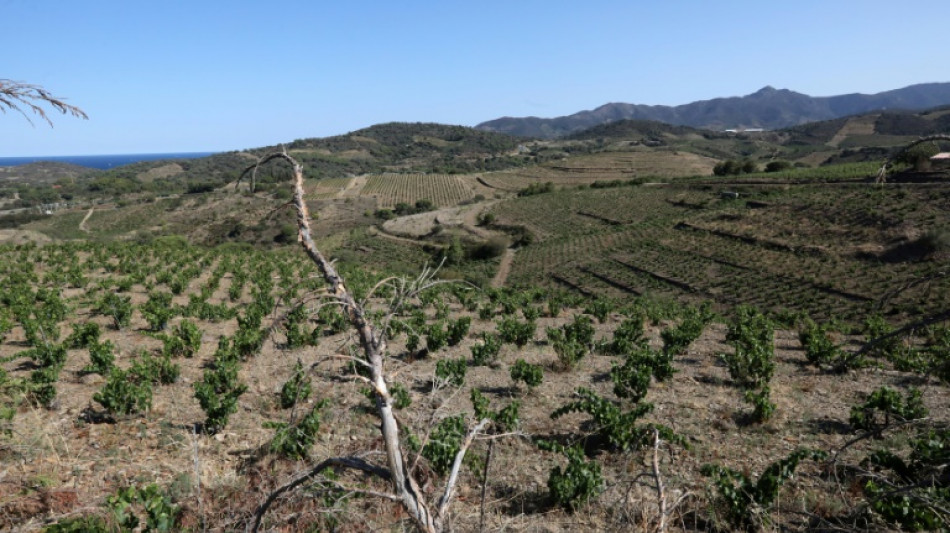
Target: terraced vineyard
442,189
831,252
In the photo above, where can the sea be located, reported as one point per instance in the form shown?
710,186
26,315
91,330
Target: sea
102,162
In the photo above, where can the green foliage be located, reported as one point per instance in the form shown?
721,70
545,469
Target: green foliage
746,503
530,375
295,440
600,308
615,426
820,350
83,335
332,318
578,482
220,388
626,338
158,310
632,378
124,393
155,369
400,394
486,352
505,419
732,167
908,491
48,355
296,389
101,358
160,513
572,342
536,188
677,339
752,363
437,337
81,524
116,307
444,444
458,329
884,406
451,371
510,330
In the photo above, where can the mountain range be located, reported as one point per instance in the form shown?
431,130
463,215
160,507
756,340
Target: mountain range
767,108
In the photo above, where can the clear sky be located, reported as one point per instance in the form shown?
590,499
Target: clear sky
208,75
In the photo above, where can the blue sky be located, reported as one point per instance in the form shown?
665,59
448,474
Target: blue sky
177,76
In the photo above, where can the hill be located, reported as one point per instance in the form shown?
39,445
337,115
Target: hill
768,108
178,361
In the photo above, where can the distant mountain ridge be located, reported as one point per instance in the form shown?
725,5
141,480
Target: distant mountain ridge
767,108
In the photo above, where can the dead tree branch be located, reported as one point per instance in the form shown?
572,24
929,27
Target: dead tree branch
17,96
405,488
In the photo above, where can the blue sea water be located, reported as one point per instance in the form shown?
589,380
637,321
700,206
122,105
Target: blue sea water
103,162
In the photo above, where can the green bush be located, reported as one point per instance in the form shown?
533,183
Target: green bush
746,503
158,310
116,307
510,330
884,406
530,375
578,482
451,371
296,389
295,440
486,352
444,444
220,388
124,393
752,363
101,358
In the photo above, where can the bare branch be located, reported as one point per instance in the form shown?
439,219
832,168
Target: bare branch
14,94
355,463
446,498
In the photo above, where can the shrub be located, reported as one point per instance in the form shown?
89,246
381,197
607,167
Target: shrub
820,350
578,482
295,440
296,389
530,375
487,351
627,337
632,378
124,393
220,388
83,335
444,444
458,329
158,310
615,426
451,371
101,358
752,363
746,503
510,330
885,405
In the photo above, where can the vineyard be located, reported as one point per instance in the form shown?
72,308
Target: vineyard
611,340
109,351
441,189
799,248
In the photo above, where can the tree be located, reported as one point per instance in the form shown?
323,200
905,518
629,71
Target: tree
17,96
429,516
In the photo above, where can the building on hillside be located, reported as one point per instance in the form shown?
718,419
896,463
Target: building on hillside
940,161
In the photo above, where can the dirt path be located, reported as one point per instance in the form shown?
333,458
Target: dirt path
503,268
82,225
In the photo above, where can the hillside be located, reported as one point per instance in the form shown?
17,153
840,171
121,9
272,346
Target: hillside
622,340
768,108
